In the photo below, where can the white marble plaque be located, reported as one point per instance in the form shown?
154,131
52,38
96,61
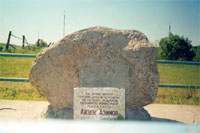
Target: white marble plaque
102,103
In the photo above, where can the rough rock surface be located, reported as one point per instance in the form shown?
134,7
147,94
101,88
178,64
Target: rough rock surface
97,57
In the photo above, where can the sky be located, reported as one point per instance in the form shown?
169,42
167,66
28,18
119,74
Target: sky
44,18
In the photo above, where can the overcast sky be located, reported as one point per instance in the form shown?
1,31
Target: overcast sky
152,17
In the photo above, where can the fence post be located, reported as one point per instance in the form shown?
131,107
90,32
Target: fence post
23,41
8,42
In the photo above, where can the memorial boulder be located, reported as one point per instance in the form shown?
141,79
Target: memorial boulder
97,57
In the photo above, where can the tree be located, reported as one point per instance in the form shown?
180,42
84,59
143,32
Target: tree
41,43
175,47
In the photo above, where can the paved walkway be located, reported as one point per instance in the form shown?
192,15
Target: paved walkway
181,113
19,109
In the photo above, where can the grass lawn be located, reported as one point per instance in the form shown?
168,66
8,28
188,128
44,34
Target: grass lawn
179,74
19,91
17,67
178,96
169,74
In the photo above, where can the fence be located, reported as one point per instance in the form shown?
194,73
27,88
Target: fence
23,39
159,61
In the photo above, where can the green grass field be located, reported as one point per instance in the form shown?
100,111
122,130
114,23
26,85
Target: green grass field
169,74
179,74
18,68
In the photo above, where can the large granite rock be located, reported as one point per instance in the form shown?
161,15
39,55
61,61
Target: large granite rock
97,57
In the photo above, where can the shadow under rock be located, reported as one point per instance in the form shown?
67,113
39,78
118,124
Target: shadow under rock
164,120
